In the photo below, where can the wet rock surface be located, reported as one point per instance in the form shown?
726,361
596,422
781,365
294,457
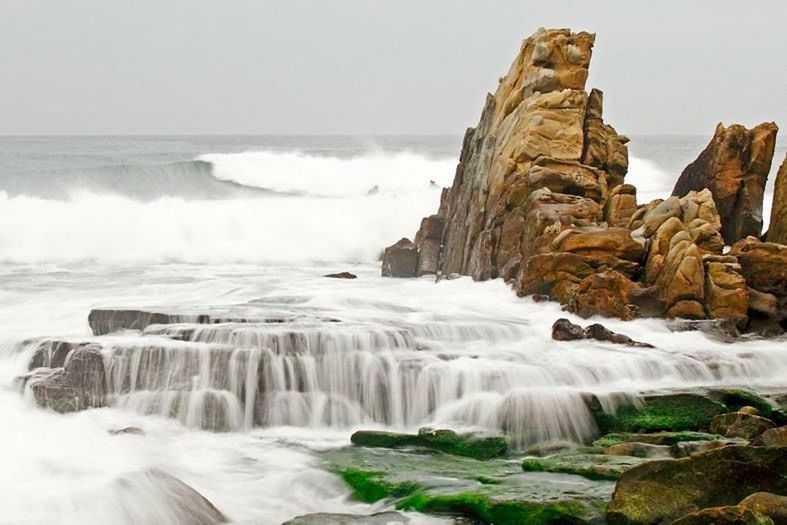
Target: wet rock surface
446,441
80,384
772,505
565,330
381,518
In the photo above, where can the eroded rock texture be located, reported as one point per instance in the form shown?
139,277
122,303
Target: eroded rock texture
540,200
778,227
735,167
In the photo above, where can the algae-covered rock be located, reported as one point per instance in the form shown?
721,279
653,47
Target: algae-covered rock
731,515
672,412
446,441
656,491
493,491
737,398
591,466
328,518
657,438
639,450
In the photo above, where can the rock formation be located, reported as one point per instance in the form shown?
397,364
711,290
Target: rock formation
735,167
540,200
778,228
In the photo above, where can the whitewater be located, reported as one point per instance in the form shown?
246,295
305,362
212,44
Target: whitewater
250,225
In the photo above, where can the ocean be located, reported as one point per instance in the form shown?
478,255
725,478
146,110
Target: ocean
251,224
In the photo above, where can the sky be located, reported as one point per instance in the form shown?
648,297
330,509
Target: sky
372,66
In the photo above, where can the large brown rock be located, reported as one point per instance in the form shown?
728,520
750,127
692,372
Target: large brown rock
658,491
777,232
428,241
621,205
740,425
726,293
763,265
604,148
734,167
731,515
400,259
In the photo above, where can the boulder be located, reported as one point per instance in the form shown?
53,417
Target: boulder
621,205
772,505
726,293
400,259
731,515
428,241
658,413
658,491
763,265
777,231
565,330
734,167
740,424
79,385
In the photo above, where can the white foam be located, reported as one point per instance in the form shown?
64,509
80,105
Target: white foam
297,172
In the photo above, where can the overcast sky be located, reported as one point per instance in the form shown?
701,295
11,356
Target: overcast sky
372,66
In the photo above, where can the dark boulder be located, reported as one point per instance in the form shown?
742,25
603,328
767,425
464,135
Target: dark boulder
400,259
772,505
341,275
732,515
565,330
79,385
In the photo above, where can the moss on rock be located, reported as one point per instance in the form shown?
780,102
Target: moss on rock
591,466
657,438
672,412
446,441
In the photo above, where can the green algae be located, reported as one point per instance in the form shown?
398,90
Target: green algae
591,466
445,441
657,438
673,412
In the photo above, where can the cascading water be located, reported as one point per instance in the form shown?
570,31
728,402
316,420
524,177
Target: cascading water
239,411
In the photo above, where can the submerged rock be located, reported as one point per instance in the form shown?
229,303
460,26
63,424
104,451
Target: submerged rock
565,330
658,491
446,441
591,466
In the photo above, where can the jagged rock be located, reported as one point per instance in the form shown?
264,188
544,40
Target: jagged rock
608,293
657,491
51,353
681,280
777,231
734,167
772,505
595,241
428,241
740,424
79,385
565,330
604,148
730,515
621,205
400,259
341,275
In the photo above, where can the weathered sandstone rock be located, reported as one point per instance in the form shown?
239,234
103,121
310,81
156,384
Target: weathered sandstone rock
777,232
428,241
734,166
774,437
730,515
621,205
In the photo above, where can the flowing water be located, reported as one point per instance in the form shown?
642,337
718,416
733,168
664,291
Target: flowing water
245,227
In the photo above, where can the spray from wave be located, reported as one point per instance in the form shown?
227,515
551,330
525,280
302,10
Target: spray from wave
330,214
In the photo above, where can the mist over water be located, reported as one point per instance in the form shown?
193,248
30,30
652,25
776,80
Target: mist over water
251,225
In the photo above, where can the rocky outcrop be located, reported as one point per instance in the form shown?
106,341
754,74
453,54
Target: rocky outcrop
772,505
735,167
730,515
446,441
661,491
777,231
764,267
539,199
